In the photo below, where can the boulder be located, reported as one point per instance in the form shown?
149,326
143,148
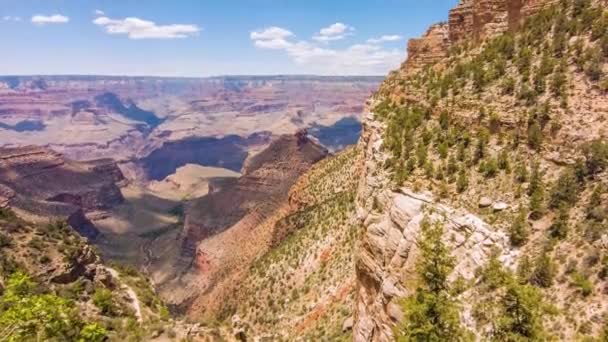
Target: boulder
499,206
485,202
348,324
395,312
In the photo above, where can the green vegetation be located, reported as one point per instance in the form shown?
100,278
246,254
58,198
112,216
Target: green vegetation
519,230
431,314
26,313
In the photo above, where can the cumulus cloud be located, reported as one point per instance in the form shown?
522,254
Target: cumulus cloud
385,38
99,12
49,19
332,32
317,57
271,38
136,28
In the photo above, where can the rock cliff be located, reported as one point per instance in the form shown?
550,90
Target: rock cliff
224,230
42,183
488,105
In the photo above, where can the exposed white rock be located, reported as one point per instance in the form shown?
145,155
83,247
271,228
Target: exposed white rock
387,253
348,324
485,202
499,206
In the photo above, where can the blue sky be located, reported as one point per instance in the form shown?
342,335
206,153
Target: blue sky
205,38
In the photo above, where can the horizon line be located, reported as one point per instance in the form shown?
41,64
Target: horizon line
187,77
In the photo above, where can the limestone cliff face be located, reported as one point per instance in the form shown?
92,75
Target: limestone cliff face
470,20
390,218
386,254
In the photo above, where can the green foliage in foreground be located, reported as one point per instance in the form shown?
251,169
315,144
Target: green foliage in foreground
432,314
517,307
27,314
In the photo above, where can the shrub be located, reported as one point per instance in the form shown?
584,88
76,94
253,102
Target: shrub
503,161
5,240
524,269
519,230
490,168
559,228
421,154
536,180
596,156
604,45
593,69
444,120
522,311
29,316
443,149
508,86
493,275
462,182
104,301
93,333
595,204
582,283
559,80
536,205
565,190
544,271
521,173
535,136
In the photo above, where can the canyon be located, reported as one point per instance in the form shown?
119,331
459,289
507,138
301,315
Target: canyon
128,119
465,199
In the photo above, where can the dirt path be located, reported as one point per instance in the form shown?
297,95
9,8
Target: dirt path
131,293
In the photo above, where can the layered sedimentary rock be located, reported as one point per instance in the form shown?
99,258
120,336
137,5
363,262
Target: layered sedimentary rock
43,183
224,230
266,180
470,20
391,217
89,117
429,49
386,255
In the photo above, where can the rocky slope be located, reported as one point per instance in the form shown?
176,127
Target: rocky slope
53,286
302,286
42,184
494,131
226,229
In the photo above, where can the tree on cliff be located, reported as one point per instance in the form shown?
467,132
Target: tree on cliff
431,314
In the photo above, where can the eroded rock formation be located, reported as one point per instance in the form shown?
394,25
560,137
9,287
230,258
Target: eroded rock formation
42,183
470,20
218,227
386,255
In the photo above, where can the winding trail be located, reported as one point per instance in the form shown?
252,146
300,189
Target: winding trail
130,292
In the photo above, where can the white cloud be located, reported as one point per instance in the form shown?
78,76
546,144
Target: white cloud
99,12
49,19
136,28
335,31
271,38
385,38
316,57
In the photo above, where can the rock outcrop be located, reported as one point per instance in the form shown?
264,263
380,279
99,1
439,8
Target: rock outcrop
470,20
42,183
387,252
390,211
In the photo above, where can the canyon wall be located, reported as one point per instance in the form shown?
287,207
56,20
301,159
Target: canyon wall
390,215
470,20
42,183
